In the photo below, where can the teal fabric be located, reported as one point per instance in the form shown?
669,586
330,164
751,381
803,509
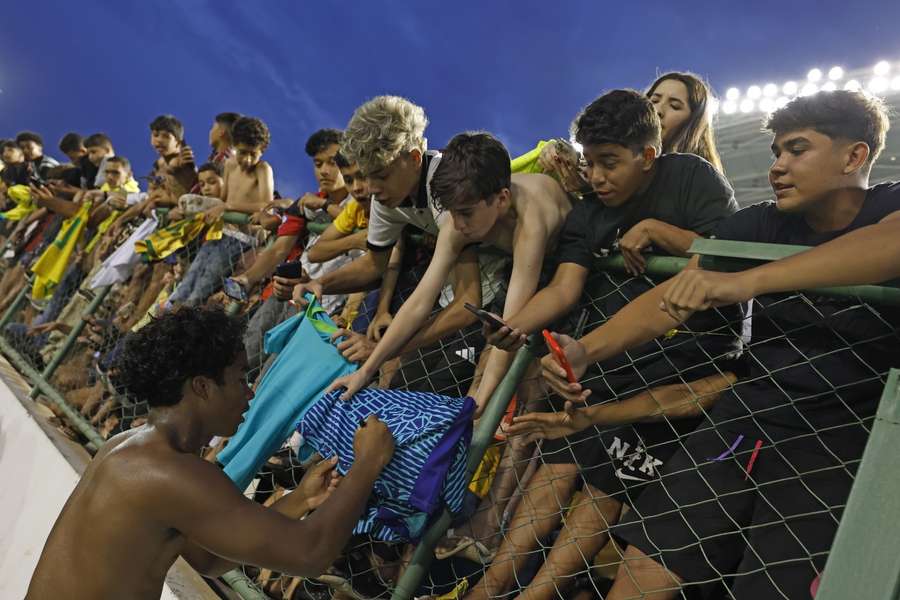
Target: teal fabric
307,363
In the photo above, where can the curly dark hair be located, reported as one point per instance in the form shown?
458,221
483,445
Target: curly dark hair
841,114
623,117
321,139
250,131
186,342
474,166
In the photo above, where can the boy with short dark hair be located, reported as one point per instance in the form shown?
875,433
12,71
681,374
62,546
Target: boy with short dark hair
72,145
520,214
248,188
98,149
815,372
666,201
32,146
176,159
220,142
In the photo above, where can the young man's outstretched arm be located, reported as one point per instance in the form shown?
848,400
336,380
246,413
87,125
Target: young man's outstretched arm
334,242
208,510
415,310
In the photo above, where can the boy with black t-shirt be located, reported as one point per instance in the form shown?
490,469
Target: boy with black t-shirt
756,493
642,199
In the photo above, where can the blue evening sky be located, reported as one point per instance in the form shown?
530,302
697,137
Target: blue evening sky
518,69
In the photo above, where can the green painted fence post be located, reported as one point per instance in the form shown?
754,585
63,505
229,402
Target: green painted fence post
421,559
864,563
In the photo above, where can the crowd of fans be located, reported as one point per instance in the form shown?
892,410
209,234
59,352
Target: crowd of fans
713,443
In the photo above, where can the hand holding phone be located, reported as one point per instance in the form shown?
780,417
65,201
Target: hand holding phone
234,290
559,355
290,270
485,317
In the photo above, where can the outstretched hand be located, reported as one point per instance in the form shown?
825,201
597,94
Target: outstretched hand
555,375
549,425
694,289
352,384
319,482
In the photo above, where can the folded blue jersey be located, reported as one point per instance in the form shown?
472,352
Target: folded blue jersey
428,471
307,363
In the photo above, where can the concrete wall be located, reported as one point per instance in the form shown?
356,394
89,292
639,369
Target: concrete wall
39,468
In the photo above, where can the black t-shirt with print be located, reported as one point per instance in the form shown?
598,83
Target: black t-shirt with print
686,192
815,364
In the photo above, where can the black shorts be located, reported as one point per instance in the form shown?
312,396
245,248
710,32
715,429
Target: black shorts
620,461
768,534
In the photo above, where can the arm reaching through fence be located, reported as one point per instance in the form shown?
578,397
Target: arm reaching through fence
864,256
674,401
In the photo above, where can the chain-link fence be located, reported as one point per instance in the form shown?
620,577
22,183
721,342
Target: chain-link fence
725,452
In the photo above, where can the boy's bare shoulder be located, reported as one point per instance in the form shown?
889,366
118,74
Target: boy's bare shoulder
262,168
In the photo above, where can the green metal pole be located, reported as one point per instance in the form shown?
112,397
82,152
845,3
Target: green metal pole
864,563
99,297
95,440
421,559
16,306
243,587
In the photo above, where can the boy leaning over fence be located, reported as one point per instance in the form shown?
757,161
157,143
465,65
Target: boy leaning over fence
667,201
756,492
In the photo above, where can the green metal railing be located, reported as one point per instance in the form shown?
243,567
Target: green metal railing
481,439
864,563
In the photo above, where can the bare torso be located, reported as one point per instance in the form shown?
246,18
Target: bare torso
106,543
534,197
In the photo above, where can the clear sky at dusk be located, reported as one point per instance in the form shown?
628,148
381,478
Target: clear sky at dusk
518,69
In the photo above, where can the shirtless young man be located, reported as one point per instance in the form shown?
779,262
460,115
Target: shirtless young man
148,497
519,214
248,188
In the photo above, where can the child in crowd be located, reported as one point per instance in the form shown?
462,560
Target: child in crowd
32,146
220,141
99,149
668,201
248,188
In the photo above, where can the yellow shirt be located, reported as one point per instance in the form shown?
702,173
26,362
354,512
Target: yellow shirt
352,217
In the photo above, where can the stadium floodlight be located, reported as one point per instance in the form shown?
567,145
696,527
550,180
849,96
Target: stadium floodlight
729,107
895,83
746,105
809,89
578,147
829,86
713,106
814,75
781,101
733,94
770,90
882,68
835,73
766,105
754,92
852,85
789,88
878,85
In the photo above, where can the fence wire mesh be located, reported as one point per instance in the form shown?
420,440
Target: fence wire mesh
725,452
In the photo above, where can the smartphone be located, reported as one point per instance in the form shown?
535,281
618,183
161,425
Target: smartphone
485,316
235,290
559,355
290,270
